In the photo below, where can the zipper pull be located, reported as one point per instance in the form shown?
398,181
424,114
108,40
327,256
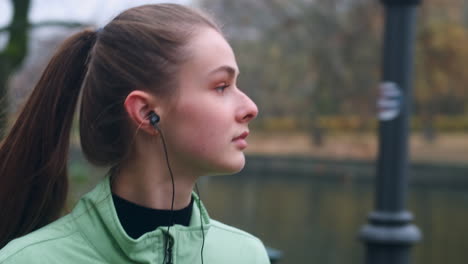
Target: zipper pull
169,249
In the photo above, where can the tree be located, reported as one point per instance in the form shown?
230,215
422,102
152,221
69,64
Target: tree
14,53
305,58
441,56
441,81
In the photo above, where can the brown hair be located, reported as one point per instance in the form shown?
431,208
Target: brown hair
139,49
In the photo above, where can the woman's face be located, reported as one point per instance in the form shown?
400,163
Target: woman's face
208,121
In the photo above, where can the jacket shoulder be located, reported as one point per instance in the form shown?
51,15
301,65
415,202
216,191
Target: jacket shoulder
48,244
238,241
233,231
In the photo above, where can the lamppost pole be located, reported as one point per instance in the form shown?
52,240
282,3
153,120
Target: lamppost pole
390,234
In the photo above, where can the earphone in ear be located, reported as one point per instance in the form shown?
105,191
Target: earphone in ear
153,118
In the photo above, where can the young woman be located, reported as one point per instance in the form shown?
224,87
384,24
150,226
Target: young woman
160,107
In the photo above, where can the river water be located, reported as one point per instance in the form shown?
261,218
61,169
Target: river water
313,215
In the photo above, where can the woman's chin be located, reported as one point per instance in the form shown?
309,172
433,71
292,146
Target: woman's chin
232,166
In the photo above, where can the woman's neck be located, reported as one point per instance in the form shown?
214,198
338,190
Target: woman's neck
146,181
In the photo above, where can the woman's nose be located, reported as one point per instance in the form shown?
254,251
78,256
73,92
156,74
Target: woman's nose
248,110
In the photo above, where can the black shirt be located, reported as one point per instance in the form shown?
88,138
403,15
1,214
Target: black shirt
137,220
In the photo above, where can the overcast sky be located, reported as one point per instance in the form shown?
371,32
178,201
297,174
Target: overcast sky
89,11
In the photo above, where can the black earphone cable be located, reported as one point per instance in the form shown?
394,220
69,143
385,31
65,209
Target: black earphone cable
201,223
173,196
173,190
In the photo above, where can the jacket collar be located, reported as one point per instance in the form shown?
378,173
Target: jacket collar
97,220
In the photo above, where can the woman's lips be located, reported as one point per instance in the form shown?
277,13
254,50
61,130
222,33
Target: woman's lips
241,136
240,141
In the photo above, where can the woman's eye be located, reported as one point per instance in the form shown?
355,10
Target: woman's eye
221,88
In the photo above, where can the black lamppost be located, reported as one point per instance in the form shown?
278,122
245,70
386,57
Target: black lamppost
390,234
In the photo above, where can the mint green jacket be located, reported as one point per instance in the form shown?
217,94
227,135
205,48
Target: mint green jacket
92,233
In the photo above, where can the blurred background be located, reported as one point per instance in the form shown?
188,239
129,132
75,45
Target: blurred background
313,68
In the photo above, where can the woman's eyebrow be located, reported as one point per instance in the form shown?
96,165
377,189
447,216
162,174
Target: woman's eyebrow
225,68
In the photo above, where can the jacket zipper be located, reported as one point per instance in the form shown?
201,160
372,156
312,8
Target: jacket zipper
169,249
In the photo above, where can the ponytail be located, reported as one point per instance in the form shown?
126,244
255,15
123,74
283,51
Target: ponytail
34,154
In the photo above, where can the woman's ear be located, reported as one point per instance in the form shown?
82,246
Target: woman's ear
138,105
